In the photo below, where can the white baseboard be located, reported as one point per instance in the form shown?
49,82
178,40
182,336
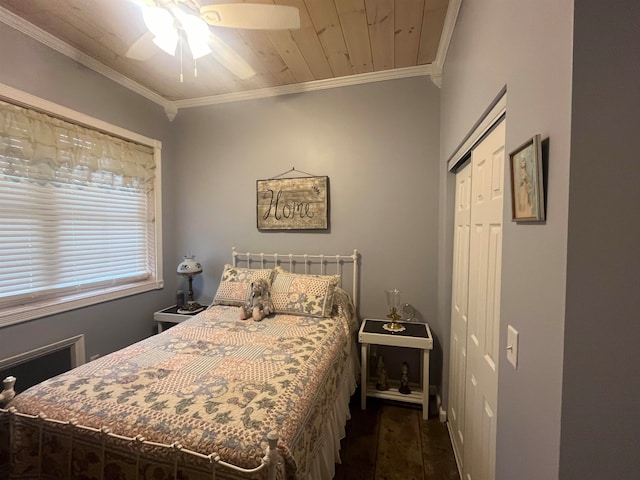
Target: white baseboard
442,413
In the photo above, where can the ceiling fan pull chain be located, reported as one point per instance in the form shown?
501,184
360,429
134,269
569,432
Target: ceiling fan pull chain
181,74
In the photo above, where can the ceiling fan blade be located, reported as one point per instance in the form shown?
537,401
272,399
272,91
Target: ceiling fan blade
229,58
143,48
251,16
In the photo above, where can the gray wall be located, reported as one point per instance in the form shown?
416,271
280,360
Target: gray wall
601,385
527,47
33,68
378,144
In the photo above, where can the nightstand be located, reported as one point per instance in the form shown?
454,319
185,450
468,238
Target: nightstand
171,315
415,335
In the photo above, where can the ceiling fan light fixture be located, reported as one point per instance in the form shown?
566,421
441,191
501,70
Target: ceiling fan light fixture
168,41
158,20
170,23
197,35
198,47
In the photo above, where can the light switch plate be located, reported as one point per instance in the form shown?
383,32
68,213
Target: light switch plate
512,346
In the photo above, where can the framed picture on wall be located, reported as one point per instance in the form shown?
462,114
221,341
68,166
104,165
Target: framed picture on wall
299,203
527,185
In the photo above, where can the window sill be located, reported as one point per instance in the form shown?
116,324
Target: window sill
23,313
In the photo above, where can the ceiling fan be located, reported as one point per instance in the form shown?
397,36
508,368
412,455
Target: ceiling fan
169,22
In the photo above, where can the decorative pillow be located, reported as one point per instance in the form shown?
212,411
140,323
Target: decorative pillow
298,294
235,284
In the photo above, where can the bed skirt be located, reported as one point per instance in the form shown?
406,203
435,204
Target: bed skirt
324,465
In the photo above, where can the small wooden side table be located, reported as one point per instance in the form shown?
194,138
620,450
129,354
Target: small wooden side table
415,335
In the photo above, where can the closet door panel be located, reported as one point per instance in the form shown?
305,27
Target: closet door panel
485,266
459,312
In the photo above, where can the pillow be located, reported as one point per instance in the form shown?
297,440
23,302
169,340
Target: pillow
235,284
298,294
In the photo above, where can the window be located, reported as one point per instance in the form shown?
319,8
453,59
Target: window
78,210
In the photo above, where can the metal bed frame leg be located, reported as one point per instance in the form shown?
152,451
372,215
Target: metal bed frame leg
8,392
272,455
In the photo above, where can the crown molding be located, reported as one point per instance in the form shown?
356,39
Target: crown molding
20,24
436,78
445,39
422,70
171,108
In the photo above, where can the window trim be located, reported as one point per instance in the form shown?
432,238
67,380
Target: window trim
52,306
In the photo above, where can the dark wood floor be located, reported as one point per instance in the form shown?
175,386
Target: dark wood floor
390,441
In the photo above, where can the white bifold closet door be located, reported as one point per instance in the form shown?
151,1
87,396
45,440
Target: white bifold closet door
475,317
459,310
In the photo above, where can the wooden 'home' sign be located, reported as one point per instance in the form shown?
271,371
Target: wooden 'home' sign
293,203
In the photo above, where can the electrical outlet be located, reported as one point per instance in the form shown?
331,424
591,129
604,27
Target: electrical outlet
512,346
94,357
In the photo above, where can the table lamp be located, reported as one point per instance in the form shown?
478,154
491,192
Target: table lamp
190,268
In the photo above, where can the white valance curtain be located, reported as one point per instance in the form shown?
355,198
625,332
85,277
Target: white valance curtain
37,146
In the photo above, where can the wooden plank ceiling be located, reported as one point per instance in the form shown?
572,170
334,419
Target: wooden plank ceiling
337,38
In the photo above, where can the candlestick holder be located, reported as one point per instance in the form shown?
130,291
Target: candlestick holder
393,302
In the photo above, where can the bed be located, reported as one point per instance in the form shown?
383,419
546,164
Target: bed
212,397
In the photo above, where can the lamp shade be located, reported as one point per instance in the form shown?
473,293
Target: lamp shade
189,266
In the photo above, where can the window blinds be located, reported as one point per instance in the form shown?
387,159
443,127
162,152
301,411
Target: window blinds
76,208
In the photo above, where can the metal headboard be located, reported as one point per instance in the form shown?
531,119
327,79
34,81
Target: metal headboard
317,264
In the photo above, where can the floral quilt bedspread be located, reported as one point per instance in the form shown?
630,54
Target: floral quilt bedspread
213,383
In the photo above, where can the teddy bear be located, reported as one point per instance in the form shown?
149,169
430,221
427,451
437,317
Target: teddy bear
259,304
